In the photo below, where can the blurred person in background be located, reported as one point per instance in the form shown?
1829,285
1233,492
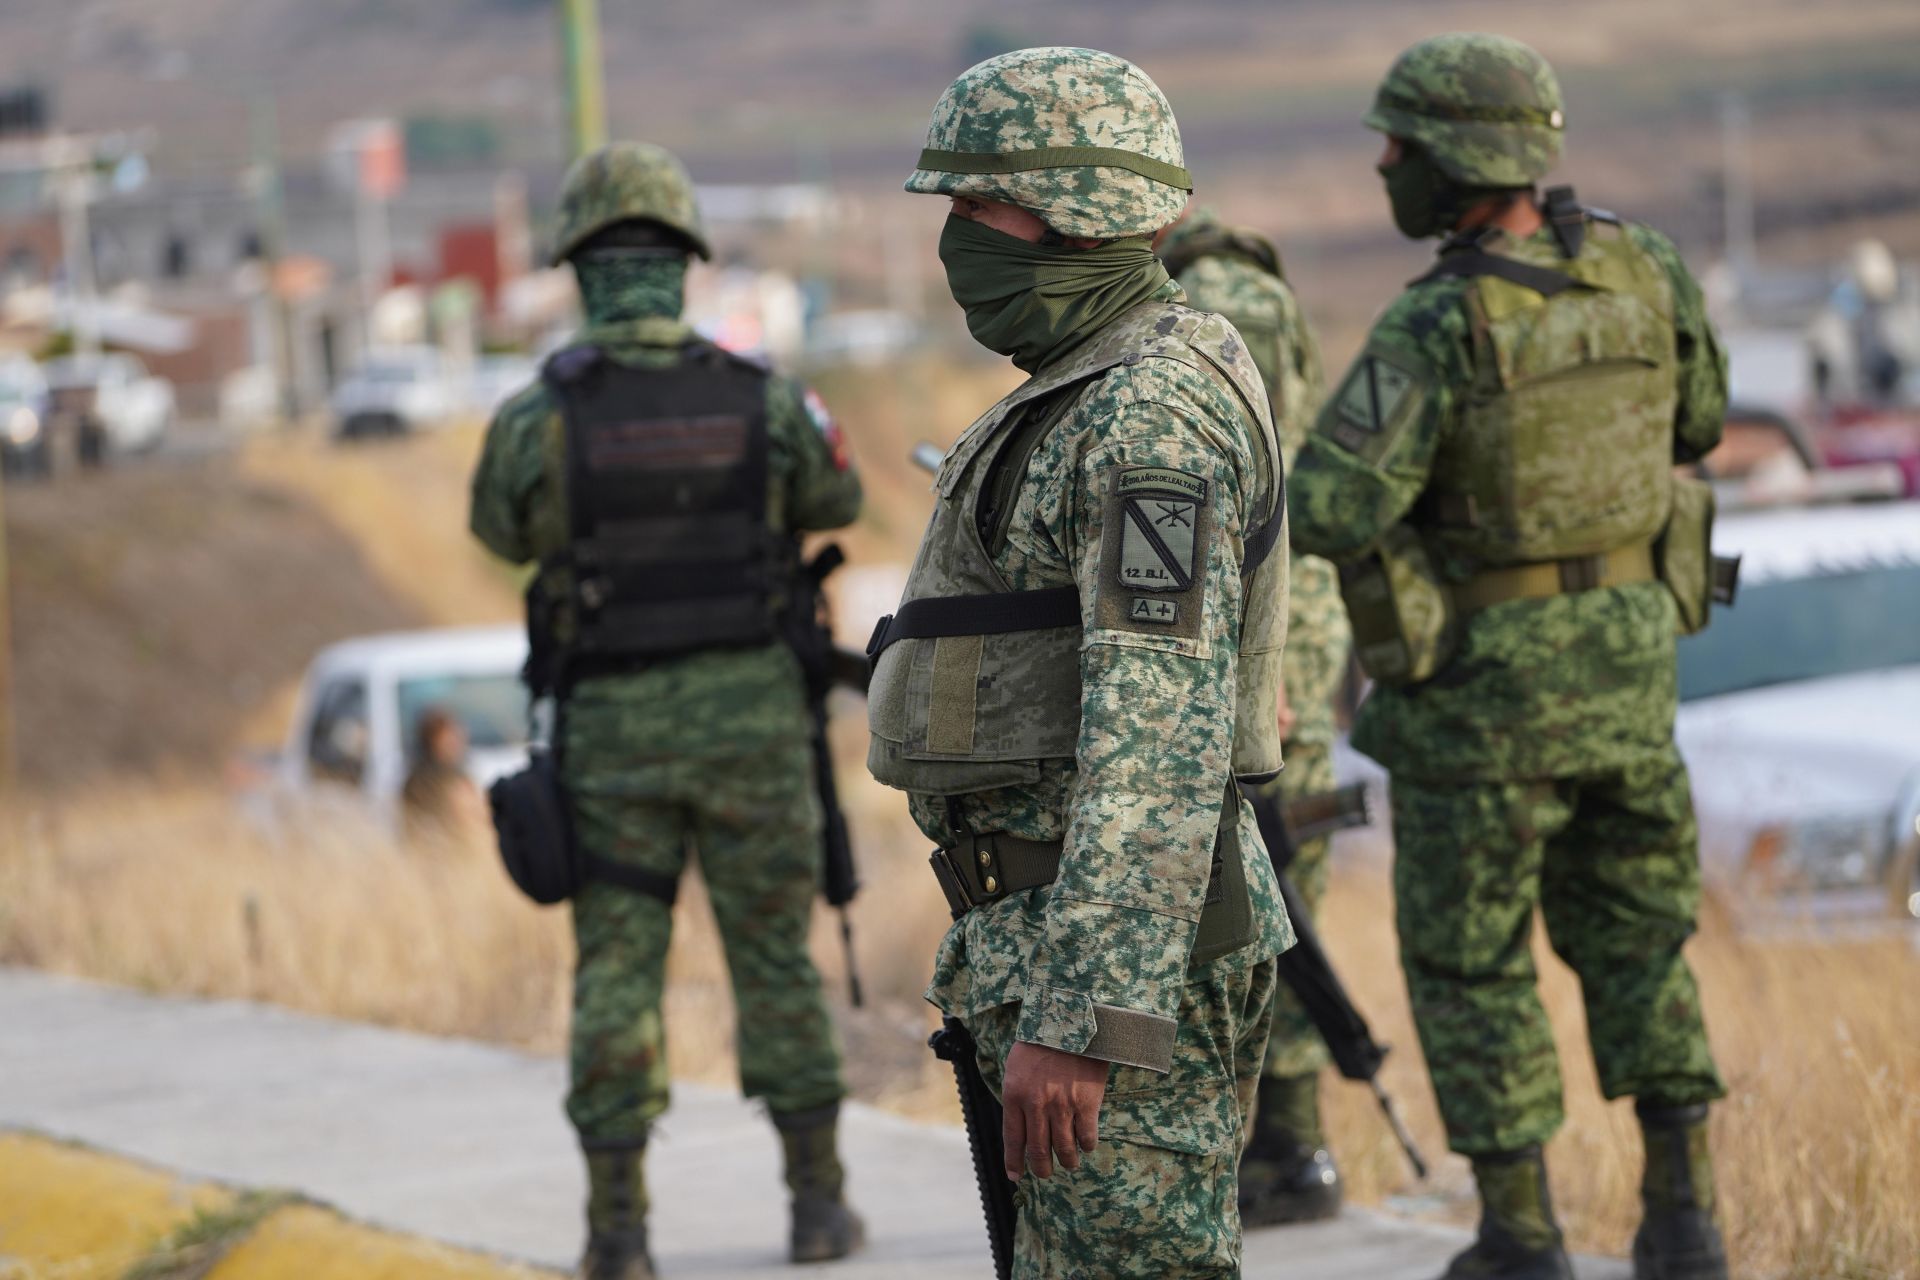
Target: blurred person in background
1286,1174
1087,654
1494,476
438,797
660,483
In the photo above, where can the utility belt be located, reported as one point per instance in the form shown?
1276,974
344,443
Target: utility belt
1406,618
1546,578
979,870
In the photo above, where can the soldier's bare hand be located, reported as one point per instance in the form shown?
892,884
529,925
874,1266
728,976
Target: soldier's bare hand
1284,714
1052,1105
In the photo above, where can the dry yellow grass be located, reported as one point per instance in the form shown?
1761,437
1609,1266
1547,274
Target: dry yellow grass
1819,1147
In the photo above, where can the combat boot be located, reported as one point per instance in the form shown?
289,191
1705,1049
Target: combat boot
1519,1239
824,1227
1678,1238
1286,1173
616,1211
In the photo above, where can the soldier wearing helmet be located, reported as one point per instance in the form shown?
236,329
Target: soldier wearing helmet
1086,657
1287,1173
660,483
1495,477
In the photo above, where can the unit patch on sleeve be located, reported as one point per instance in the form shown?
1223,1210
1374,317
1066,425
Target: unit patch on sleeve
1156,522
823,422
1367,412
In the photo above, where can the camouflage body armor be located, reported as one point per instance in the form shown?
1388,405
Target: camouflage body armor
1565,446
973,685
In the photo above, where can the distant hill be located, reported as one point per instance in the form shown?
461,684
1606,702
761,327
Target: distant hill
1269,94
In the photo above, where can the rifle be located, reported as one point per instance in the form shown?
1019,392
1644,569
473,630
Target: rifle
985,1120
1306,968
824,666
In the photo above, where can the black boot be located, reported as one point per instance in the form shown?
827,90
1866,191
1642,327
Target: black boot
616,1211
1678,1239
1519,1239
824,1227
1286,1173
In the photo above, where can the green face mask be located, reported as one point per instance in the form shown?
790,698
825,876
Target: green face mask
1416,190
1032,301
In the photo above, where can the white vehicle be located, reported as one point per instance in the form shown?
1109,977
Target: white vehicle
135,408
397,389
1800,711
355,728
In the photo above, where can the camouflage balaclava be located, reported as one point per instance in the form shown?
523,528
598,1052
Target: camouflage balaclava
1475,115
1087,143
622,183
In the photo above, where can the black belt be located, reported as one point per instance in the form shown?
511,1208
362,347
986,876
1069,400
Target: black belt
984,869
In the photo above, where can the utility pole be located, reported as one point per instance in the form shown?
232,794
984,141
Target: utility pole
580,73
263,132
72,174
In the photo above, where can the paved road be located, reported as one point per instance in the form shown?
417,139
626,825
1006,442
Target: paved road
466,1142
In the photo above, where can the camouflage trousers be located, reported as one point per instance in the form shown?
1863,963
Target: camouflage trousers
753,822
1612,861
1157,1197
1295,1048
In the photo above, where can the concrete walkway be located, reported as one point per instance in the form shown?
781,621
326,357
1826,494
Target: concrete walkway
466,1143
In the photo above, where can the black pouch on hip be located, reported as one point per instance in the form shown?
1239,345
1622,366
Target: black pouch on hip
536,835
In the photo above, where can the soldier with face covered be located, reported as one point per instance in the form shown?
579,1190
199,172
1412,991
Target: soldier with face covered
660,484
1085,658
1494,477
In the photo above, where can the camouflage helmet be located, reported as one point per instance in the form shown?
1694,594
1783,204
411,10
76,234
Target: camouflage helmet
624,180
1486,108
1080,138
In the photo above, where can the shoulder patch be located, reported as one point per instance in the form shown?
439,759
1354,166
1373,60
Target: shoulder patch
1372,404
829,429
1156,526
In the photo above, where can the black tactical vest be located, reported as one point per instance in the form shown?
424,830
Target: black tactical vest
666,492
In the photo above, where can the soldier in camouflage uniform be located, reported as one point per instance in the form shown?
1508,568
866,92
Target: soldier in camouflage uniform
1286,1173
1087,655
705,749
1495,478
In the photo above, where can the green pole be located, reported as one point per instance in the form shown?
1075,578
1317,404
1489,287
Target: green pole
580,67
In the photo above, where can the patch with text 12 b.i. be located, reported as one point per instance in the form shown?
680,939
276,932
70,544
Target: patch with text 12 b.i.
1153,554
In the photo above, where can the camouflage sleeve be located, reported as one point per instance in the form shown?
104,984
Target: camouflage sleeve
823,489
1150,529
512,465
1371,449
1702,408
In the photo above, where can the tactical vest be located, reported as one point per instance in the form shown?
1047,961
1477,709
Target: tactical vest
974,685
666,496
1564,445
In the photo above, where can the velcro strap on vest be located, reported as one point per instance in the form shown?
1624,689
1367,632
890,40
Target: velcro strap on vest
1547,578
983,869
990,614
1469,263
